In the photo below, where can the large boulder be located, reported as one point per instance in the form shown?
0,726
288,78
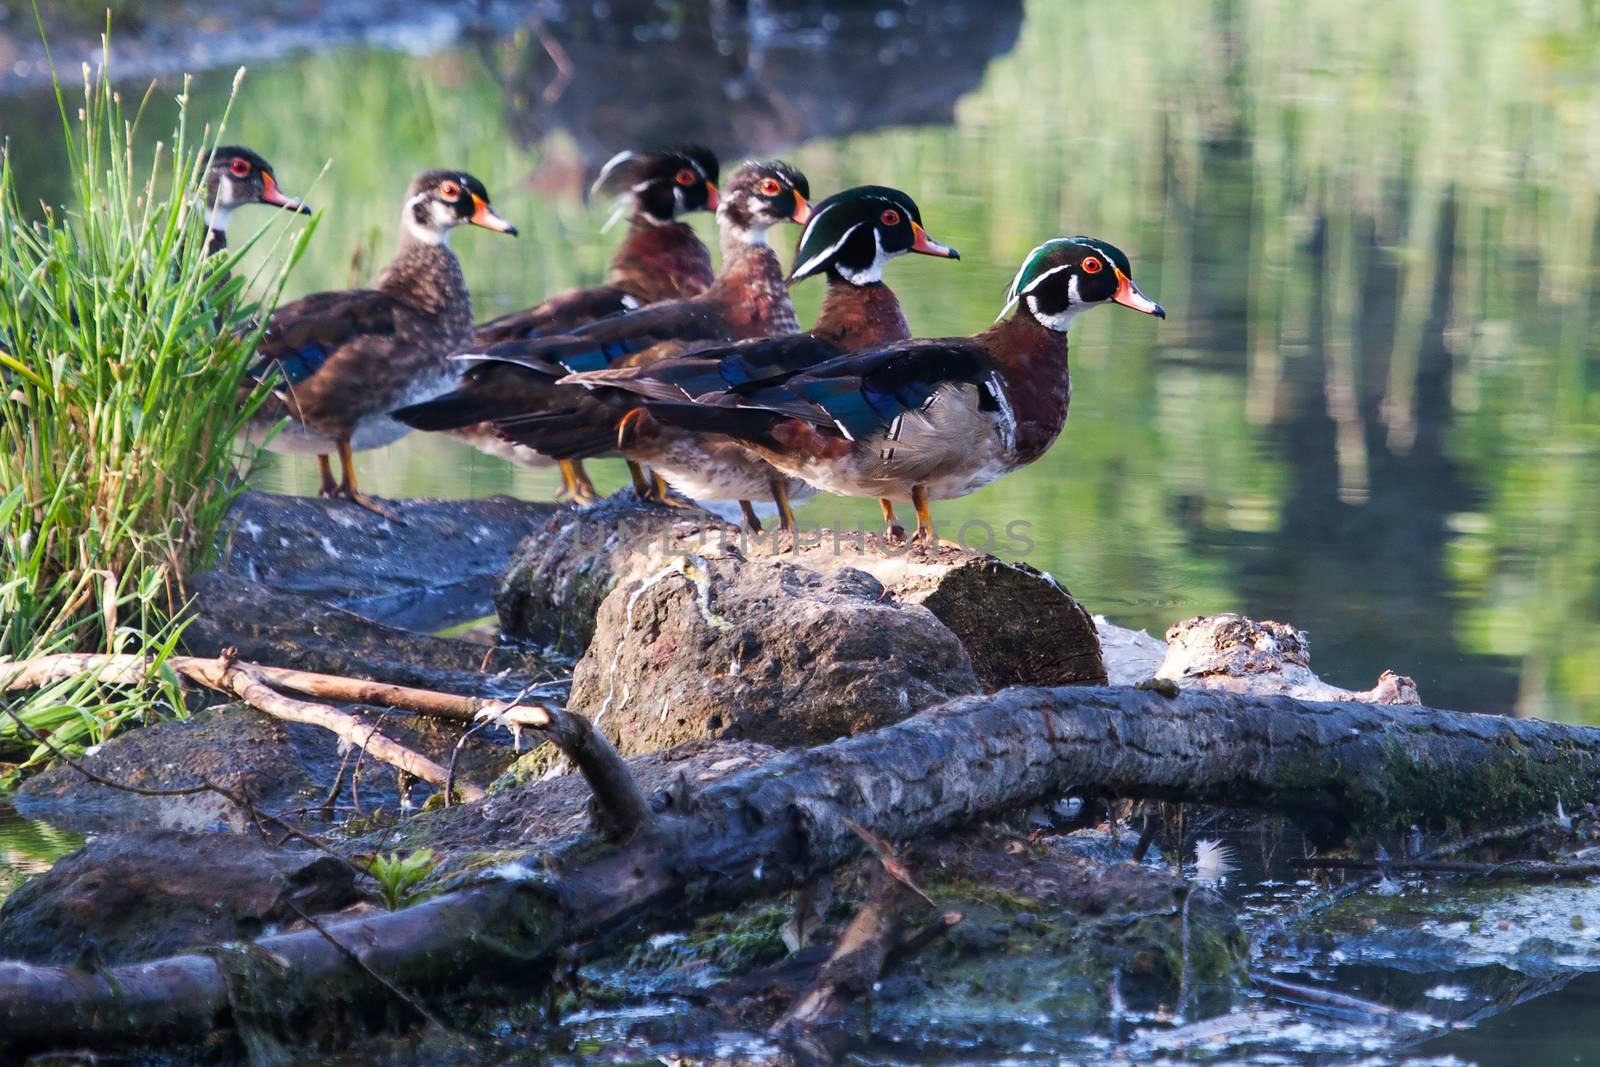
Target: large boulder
150,893
715,645
690,629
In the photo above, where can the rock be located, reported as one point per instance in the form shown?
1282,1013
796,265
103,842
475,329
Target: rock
287,629
1239,655
561,572
146,894
232,746
715,645
1131,656
440,568
1017,624
692,629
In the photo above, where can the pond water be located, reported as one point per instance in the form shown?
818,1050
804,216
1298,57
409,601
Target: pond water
1373,410
1374,407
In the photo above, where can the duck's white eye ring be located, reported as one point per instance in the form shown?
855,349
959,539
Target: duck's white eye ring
450,191
890,217
1091,265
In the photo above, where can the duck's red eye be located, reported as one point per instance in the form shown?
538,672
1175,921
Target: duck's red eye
240,168
891,217
770,187
685,177
450,191
1092,265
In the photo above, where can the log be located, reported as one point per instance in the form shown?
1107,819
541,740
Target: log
1334,766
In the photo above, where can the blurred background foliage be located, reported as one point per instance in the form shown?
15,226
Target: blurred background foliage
1374,409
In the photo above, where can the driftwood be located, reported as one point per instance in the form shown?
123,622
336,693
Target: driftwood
779,826
259,686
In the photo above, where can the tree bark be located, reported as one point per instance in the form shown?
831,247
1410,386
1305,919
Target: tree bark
1335,767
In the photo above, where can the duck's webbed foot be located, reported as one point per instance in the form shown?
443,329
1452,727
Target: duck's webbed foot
346,489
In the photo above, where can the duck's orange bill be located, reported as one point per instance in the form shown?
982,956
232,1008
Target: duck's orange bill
1128,295
802,210
928,246
483,215
271,194
712,200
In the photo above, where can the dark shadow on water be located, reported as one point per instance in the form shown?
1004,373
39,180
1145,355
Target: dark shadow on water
751,77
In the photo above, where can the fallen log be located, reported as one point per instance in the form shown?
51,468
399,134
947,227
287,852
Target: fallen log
1335,767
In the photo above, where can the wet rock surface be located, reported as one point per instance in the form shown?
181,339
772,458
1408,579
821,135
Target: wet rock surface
287,629
145,894
440,567
559,575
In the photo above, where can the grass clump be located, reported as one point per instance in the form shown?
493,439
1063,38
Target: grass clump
122,346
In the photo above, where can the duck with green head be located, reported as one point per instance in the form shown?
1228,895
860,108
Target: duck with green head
929,420
850,239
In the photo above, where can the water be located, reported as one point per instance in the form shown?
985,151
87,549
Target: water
1373,410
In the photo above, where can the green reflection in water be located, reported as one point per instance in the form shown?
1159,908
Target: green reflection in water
28,847
1374,409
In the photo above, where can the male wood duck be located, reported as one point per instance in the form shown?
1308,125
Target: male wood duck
515,381
929,419
851,237
234,177
341,361
660,258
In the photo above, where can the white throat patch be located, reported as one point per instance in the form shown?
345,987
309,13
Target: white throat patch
754,234
872,272
429,235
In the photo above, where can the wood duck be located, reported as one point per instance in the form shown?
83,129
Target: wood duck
929,419
513,384
234,177
851,237
339,362
660,258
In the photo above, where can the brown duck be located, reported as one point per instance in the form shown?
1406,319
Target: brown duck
513,384
339,362
851,238
660,258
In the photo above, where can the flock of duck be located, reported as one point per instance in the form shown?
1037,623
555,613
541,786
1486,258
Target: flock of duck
702,381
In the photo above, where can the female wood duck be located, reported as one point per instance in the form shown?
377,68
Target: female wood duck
341,361
661,258
234,177
931,419
514,382
851,237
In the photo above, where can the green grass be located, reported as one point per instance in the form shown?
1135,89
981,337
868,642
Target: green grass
121,348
